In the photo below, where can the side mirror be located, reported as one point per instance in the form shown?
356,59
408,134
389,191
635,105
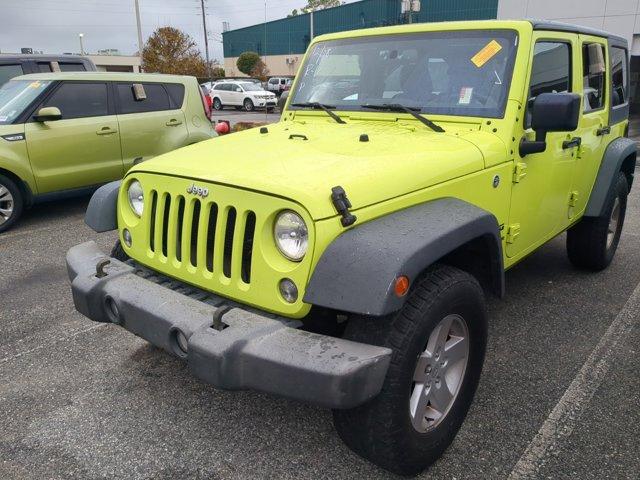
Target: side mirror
551,112
48,114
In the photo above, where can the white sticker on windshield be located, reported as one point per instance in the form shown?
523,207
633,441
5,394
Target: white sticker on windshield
4,119
465,95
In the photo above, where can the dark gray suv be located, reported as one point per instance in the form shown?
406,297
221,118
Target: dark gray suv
15,65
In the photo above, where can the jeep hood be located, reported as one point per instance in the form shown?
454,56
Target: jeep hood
303,161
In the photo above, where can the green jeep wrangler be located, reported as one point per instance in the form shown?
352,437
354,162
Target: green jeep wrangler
65,134
340,257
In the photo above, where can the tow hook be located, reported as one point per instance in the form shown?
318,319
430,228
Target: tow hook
100,267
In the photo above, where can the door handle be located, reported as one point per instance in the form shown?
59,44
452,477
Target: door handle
106,131
606,130
173,123
574,142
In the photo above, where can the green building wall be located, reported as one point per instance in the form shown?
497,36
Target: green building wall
292,35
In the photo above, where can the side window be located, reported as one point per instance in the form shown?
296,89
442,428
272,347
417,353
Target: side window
593,76
157,98
80,100
176,94
71,67
44,67
550,72
7,72
273,81
619,76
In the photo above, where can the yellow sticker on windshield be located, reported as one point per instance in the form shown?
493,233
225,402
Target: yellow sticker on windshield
34,84
486,54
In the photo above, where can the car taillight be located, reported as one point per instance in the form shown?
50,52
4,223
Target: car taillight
205,104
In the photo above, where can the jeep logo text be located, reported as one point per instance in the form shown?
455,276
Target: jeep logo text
199,191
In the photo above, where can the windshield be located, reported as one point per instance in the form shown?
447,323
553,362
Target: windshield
17,95
451,73
251,87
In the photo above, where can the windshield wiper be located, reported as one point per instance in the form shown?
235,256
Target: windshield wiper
320,106
397,107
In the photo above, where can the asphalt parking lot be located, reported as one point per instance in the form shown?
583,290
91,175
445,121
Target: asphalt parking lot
235,116
559,396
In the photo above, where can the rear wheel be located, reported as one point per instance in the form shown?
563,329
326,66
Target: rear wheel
11,203
217,104
438,341
248,105
592,243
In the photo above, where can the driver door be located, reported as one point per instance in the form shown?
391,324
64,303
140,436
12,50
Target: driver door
541,192
83,148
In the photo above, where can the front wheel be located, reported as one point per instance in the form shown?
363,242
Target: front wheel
248,105
11,203
592,242
438,341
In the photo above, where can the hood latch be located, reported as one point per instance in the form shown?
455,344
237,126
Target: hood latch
342,204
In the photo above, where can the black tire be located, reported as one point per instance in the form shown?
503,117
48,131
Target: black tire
589,245
248,105
381,430
11,203
217,104
118,252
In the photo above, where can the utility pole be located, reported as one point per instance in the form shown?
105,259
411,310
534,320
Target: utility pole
311,24
80,35
140,44
206,39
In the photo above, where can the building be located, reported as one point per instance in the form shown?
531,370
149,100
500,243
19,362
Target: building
283,42
621,17
117,63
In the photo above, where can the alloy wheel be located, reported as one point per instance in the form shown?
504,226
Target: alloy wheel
614,220
6,204
439,373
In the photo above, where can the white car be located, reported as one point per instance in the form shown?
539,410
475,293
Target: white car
241,94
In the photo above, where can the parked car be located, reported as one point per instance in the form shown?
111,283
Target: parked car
278,85
15,65
67,133
206,95
341,256
242,94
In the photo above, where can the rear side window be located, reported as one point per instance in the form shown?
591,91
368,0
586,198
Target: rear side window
593,76
157,98
619,76
7,72
176,94
44,67
550,72
71,67
80,100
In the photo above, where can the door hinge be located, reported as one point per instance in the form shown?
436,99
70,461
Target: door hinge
573,198
519,172
512,232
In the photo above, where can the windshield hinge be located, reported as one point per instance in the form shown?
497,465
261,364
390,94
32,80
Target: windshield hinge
342,204
519,172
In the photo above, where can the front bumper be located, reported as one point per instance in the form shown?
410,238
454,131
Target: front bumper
227,346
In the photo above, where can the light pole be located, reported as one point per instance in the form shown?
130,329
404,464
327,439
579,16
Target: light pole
80,36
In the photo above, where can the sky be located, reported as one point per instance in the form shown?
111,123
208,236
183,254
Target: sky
53,25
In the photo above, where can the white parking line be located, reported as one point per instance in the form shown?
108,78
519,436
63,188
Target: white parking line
565,415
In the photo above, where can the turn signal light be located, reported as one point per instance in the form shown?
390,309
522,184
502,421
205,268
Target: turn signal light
401,286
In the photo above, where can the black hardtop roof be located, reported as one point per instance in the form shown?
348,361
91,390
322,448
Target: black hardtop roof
568,27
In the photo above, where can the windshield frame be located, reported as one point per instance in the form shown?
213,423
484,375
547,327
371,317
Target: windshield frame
507,79
25,114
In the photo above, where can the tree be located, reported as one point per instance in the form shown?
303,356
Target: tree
247,62
217,72
169,50
314,5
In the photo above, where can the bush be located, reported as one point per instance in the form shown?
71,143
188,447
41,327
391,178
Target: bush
247,62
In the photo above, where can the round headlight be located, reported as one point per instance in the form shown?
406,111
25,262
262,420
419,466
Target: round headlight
291,235
136,197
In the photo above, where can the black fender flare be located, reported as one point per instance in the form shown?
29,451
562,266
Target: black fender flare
102,212
357,271
617,151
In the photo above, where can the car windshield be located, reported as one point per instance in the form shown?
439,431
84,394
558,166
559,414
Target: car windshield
451,73
17,95
251,87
